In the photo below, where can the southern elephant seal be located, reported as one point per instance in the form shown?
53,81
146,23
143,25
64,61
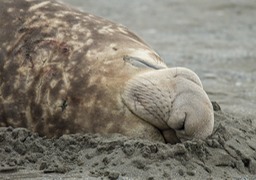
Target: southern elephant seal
64,71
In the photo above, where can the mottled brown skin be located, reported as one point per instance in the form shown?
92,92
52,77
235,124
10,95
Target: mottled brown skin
52,82
63,71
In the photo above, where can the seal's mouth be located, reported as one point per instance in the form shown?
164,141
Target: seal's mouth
177,135
170,136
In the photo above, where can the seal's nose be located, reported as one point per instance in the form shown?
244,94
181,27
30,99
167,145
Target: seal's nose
192,114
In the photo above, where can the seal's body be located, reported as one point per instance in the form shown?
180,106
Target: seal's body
63,71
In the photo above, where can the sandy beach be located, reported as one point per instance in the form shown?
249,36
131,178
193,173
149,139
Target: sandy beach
216,39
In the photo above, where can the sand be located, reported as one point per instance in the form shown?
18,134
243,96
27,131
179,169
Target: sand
228,154
217,40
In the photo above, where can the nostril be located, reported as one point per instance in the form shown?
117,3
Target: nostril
182,127
183,124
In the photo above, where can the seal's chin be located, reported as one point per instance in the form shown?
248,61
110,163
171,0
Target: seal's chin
170,136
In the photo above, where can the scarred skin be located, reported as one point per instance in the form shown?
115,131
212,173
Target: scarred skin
63,71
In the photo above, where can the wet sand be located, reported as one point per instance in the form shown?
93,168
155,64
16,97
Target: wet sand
217,40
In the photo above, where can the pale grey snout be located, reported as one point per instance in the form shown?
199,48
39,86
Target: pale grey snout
171,98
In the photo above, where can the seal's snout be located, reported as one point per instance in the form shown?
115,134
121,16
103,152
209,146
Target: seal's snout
192,115
171,98
193,119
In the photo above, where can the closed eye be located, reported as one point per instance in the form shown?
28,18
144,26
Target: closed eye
140,63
